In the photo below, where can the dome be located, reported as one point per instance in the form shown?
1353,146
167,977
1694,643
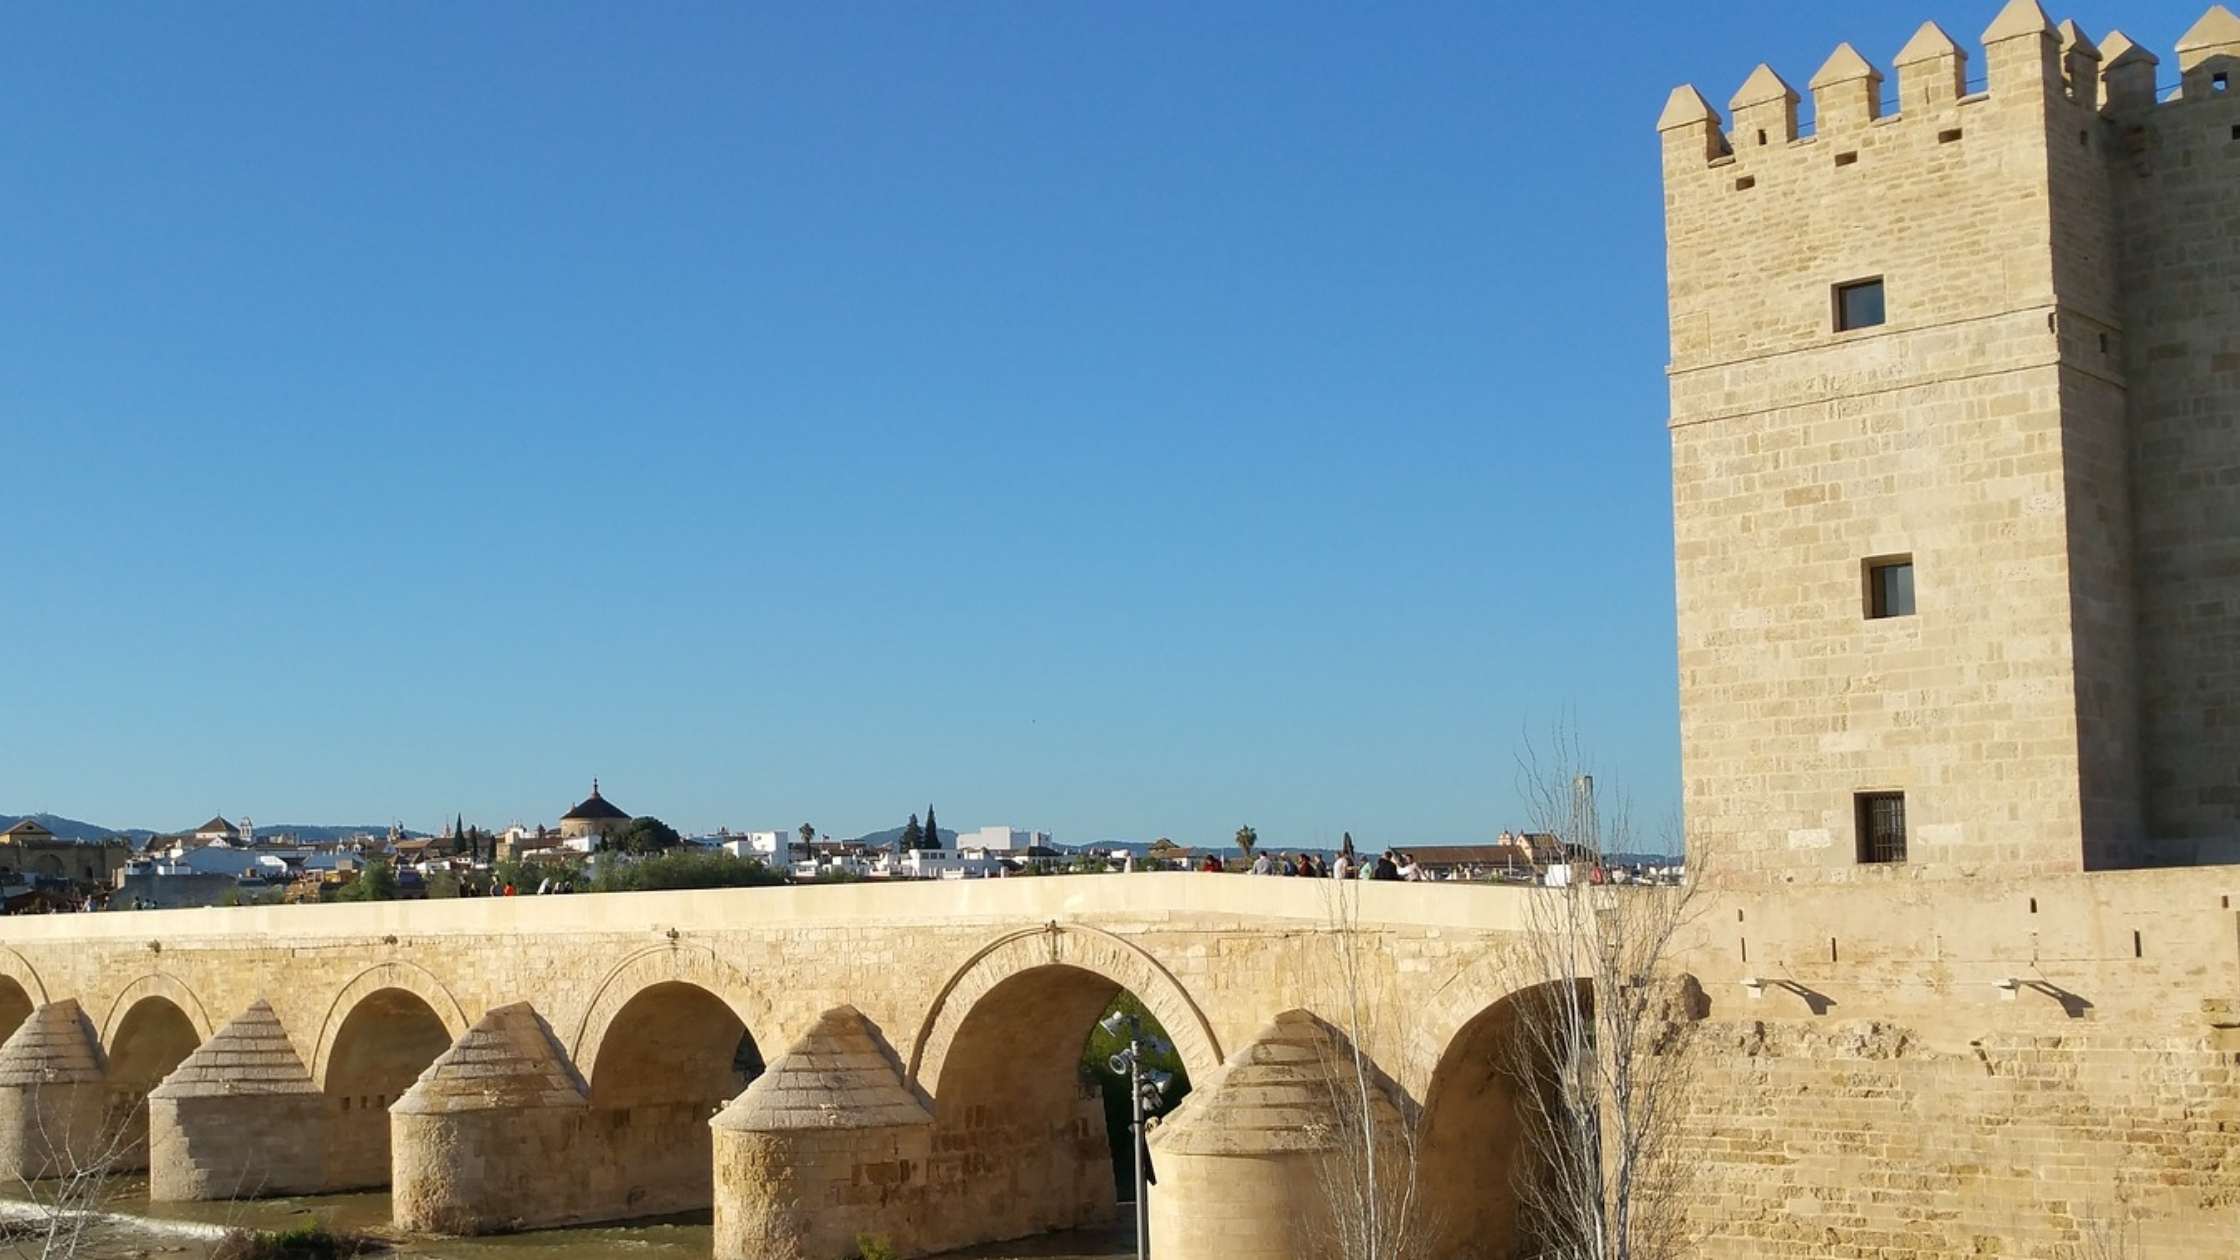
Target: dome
594,808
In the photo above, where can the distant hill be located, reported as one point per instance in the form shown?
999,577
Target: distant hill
309,832
70,828
79,829
892,836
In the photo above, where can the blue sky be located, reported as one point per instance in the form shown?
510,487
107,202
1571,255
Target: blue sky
1124,421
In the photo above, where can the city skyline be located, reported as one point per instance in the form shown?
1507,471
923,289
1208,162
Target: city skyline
1141,424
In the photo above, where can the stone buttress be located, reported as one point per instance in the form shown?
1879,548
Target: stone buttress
240,1118
53,1097
491,1137
825,1146
1247,1166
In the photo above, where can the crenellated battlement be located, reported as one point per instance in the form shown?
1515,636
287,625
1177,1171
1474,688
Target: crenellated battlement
2025,60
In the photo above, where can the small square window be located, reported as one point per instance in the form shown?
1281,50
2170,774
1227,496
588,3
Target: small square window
1859,304
1889,587
1882,826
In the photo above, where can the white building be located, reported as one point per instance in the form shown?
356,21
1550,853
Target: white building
1002,840
770,846
937,864
837,864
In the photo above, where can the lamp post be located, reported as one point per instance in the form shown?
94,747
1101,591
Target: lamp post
1145,1088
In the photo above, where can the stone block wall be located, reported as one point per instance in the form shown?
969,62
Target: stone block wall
1800,452
2177,164
2044,424
223,1147
1870,1084
809,1194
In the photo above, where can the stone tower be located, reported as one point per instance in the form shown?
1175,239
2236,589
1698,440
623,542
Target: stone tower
1956,458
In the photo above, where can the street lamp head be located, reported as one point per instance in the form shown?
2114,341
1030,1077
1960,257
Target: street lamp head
1159,1080
1113,1024
1120,1063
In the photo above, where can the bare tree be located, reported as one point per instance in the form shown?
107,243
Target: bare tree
1370,1172
1601,1053
2107,1237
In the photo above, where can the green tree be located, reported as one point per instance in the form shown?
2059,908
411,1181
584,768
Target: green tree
526,876
933,829
1247,840
686,870
912,838
642,836
377,882
808,834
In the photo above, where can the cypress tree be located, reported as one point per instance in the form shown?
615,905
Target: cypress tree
933,829
911,836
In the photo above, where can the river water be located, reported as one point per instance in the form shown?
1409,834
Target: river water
135,1228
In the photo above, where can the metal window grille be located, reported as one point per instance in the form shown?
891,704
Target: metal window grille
1882,827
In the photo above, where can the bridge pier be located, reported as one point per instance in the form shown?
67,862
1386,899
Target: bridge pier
53,1096
239,1118
826,1145
493,1137
1252,1166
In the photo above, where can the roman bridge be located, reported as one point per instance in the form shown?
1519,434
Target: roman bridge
913,1049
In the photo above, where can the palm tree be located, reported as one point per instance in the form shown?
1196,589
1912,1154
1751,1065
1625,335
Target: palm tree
1247,840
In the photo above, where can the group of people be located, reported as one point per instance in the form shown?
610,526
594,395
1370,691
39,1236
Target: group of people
469,888
1390,864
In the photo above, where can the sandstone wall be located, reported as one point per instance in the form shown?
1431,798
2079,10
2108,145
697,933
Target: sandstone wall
982,992
1880,1091
2176,170
1800,452
1879,1056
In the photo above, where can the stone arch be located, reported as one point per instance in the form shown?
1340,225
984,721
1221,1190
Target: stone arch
1000,1055
154,984
395,974
1472,1150
1468,990
667,1039
22,993
1084,948
155,1022
673,963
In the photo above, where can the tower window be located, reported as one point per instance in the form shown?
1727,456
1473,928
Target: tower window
1882,826
1859,304
1889,587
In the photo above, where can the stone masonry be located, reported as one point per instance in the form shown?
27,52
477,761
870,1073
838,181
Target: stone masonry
924,1041
2015,1039
2000,1043
2045,424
